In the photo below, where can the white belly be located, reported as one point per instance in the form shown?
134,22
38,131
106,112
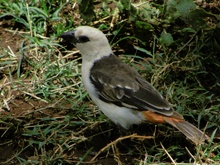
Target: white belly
119,115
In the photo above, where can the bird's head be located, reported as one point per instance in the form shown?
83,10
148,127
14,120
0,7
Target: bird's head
91,42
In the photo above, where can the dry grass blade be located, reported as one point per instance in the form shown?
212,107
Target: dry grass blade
168,153
120,139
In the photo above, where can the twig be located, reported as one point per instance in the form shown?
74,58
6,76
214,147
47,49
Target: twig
185,44
168,154
120,139
34,96
96,22
190,154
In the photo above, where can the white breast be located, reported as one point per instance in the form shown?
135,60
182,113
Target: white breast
119,115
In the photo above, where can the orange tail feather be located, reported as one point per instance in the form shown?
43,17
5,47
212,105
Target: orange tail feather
177,121
189,130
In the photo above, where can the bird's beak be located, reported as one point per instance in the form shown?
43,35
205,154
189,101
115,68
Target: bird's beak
69,37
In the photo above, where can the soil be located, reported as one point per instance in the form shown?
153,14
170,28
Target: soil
20,111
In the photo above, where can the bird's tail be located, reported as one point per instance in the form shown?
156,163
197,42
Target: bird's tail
177,121
189,130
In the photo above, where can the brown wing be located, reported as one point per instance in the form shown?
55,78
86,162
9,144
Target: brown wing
118,83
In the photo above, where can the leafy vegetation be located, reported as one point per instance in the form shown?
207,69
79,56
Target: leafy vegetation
46,116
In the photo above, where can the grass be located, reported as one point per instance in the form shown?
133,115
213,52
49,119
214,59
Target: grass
46,115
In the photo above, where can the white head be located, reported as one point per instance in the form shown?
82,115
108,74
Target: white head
91,42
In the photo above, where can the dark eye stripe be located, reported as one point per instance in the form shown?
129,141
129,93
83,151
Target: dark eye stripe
83,39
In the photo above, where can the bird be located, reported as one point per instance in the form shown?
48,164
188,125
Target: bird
118,90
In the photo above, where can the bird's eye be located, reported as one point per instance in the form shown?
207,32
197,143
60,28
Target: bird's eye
83,39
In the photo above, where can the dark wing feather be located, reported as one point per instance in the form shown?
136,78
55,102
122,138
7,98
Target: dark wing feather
118,83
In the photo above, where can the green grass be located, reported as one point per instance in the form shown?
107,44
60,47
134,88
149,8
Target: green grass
46,115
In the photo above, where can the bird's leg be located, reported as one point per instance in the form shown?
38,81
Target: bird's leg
122,131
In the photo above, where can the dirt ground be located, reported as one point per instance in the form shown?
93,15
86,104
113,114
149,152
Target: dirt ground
19,110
